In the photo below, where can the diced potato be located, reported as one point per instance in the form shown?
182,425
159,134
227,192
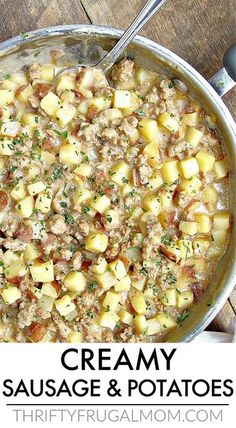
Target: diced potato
96,242
42,272
125,316
8,257
43,202
139,283
50,103
166,200
31,252
112,301
8,84
185,299
6,97
18,192
80,196
144,76
65,82
99,267
85,78
170,297
193,136
214,252
219,237
123,284
32,172
30,119
138,303
106,280
204,222
75,337
122,99
120,173
191,185
221,220
11,294
9,128
186,249
64,305
166,321
6,112
118,269
37,292
19,78
153,326
149,130
209,195
205,160
65,114
155,182
152,204
170,171
189,227
201,246
47,157
100,203
17,268
140,324
67,97
168,122
83,169
25,206
100,103
126,189
24,93
47,72
189,167
35,188
108,320
221,169
75,281
48,290
152,152
6,148
134,100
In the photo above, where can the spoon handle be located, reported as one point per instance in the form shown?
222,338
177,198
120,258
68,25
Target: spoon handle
141,19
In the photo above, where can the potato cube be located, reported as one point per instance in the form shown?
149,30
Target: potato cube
144,76
64,305
35,188
155,182
134,100
48,290
214,252
170,297
140,324
191,185
9,128
47,157
204,222
18,192
185,299
6,148
65,82
209,195
80,196
166,200
50,103
43,202
186,249
11,295
100,103
84,169
47,72
68,154
67,97
24,93
86,78
170,171
139,283
96,242
8,257
193,136
30,119
205,160
152,204
153,326
122,99
99,267
118,269
189,167
6,97
221,220
75,337
42,272
138,303
166,321
75,281
112,301
106,280
32,172
149,130
219,237
201,246
120,173
65,114
31,252
100,203
166,120
123,284
17,268
126,189
25,206
125,316
189,227
221,169
108,320
19,78
151,150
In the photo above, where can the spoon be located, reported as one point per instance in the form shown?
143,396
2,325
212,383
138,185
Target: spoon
111,57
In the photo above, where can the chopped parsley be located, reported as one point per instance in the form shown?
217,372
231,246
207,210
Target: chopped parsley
171,278
85,209
92,286
171,84
140,112
69,218
183,316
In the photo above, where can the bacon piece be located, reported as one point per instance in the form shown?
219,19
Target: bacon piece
197,291
57,286
32,296
167,254
24,233
91,113
41,89
98,222
85,264
1,112
189,271
36,331
8,177
16,280
188,110
79,95
4,199
136,177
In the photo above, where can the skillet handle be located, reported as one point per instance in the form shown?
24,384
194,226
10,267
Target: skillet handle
225,79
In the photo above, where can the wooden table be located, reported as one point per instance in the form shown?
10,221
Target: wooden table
198,30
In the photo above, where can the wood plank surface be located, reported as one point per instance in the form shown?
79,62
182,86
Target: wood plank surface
198,30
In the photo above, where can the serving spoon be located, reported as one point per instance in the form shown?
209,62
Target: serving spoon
148,10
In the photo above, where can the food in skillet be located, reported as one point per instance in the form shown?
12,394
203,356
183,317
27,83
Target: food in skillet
113,204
